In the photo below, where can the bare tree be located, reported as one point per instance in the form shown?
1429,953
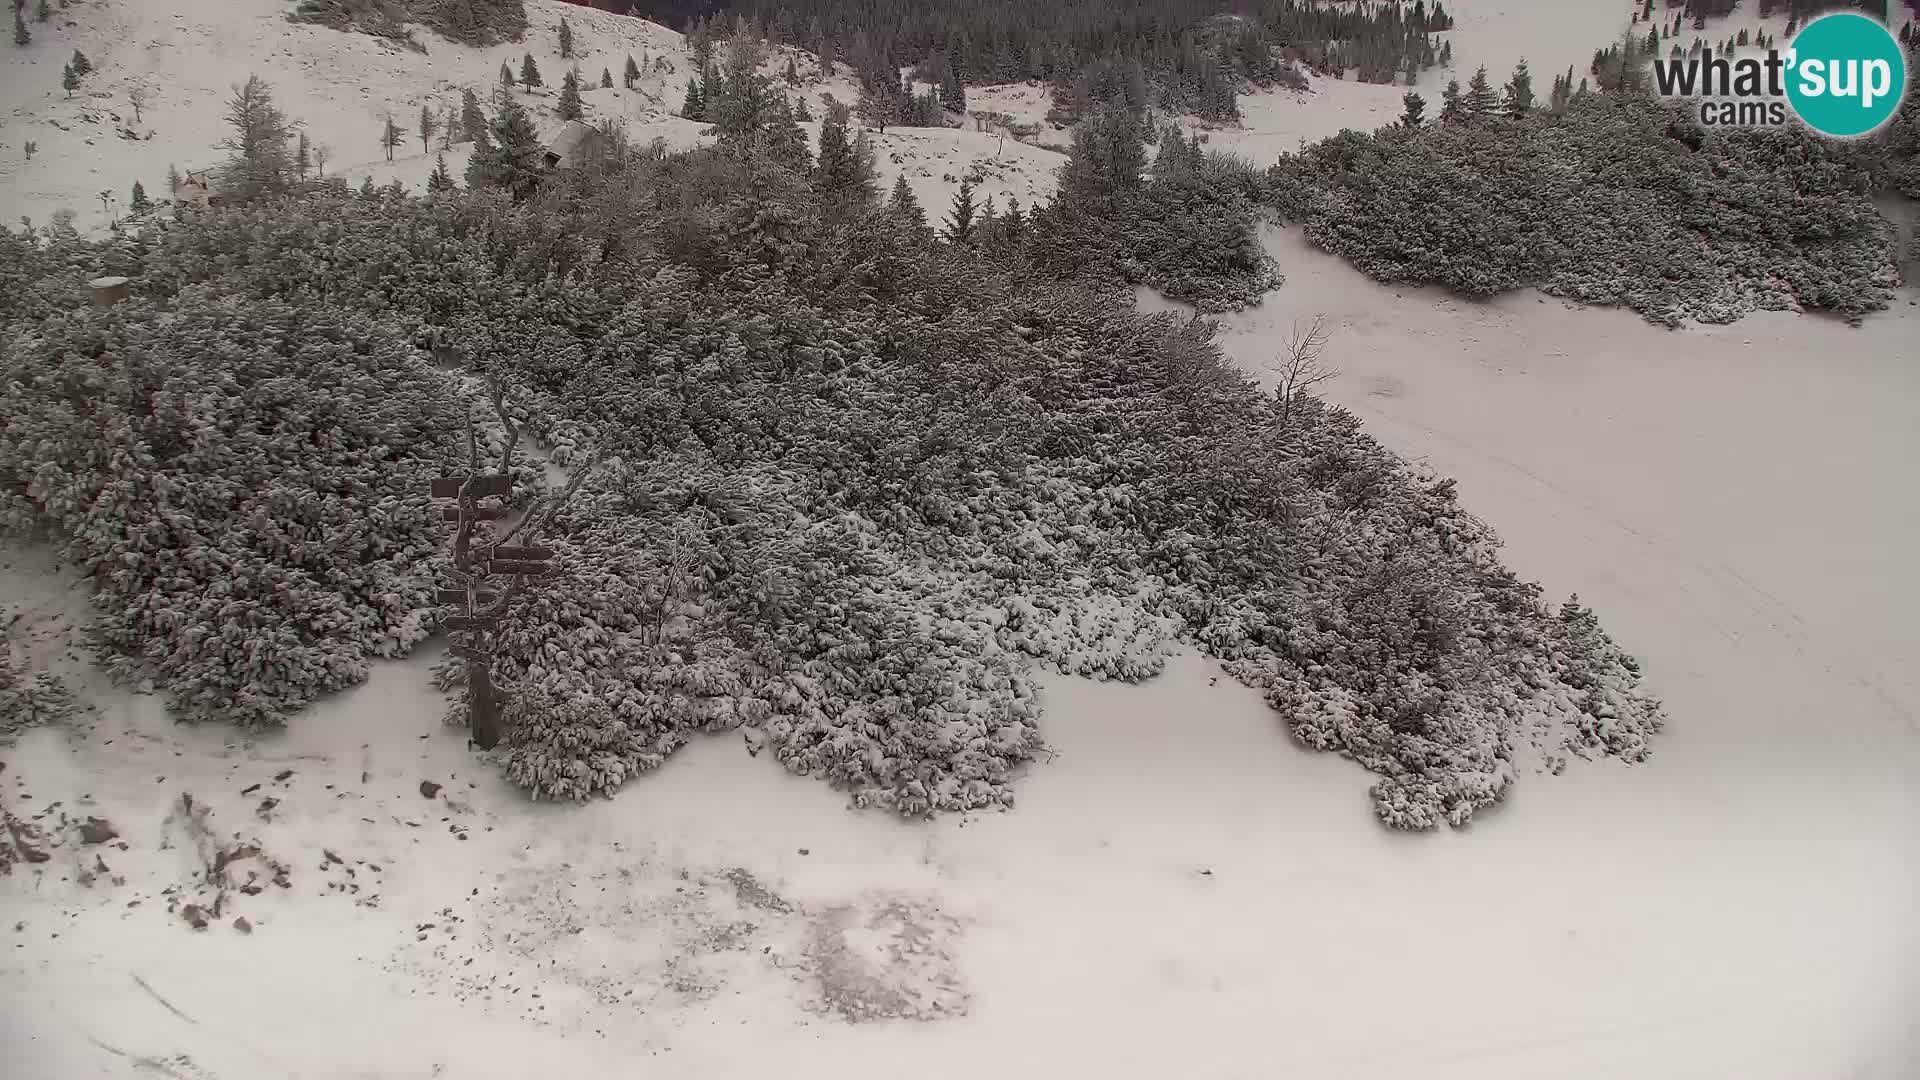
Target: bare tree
320,154
139,97
1300,369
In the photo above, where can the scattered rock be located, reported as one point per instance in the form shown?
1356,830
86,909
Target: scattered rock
250,789
429,789
805,851
195,915
282,775
241,924
97,831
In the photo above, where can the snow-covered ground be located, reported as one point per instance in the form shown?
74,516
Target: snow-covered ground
187,57
1181,891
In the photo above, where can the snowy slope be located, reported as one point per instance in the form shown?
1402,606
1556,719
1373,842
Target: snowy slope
1735,502
189,55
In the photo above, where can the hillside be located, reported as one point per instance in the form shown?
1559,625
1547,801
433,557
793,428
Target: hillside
341,86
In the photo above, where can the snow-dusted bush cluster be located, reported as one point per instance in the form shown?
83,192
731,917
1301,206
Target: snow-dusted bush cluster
1188,231
243,480
469,22
1611,201
29,698
854,483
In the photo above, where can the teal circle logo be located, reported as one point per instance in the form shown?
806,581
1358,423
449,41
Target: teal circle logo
1846,74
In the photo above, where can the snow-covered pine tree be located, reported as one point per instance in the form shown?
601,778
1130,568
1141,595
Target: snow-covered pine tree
440,179
529,71
506,77
960,219
510,158
429,125
473,122
1414,109
139,202
606,79
81,65
1519,95
1481,101
566,39
69,80
262,161
903,205
570,107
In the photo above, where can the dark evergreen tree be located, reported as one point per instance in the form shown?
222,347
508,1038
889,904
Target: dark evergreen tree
841,174
529,71
81,65
695,107
903,205
953,93
606,79
570,107
511,159
1519,96
473,122
784,139
792,74
566,39
1481,100
631,74
139,201
440,180
960,219
1415,108
20,34
1453,108
429,125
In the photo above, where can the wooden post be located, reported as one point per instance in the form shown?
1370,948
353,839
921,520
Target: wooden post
108,291
478,608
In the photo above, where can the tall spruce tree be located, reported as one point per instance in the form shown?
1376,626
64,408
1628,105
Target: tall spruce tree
903,205
1453,108
566,39
570,107
631,74
1519,96
960,219
473,122
1413,111
1481,99
429,125
529,71
511,159
440,180
260,161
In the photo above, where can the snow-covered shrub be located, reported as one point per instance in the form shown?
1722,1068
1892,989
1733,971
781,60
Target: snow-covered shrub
854,486
29,698
245,483
1604,203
